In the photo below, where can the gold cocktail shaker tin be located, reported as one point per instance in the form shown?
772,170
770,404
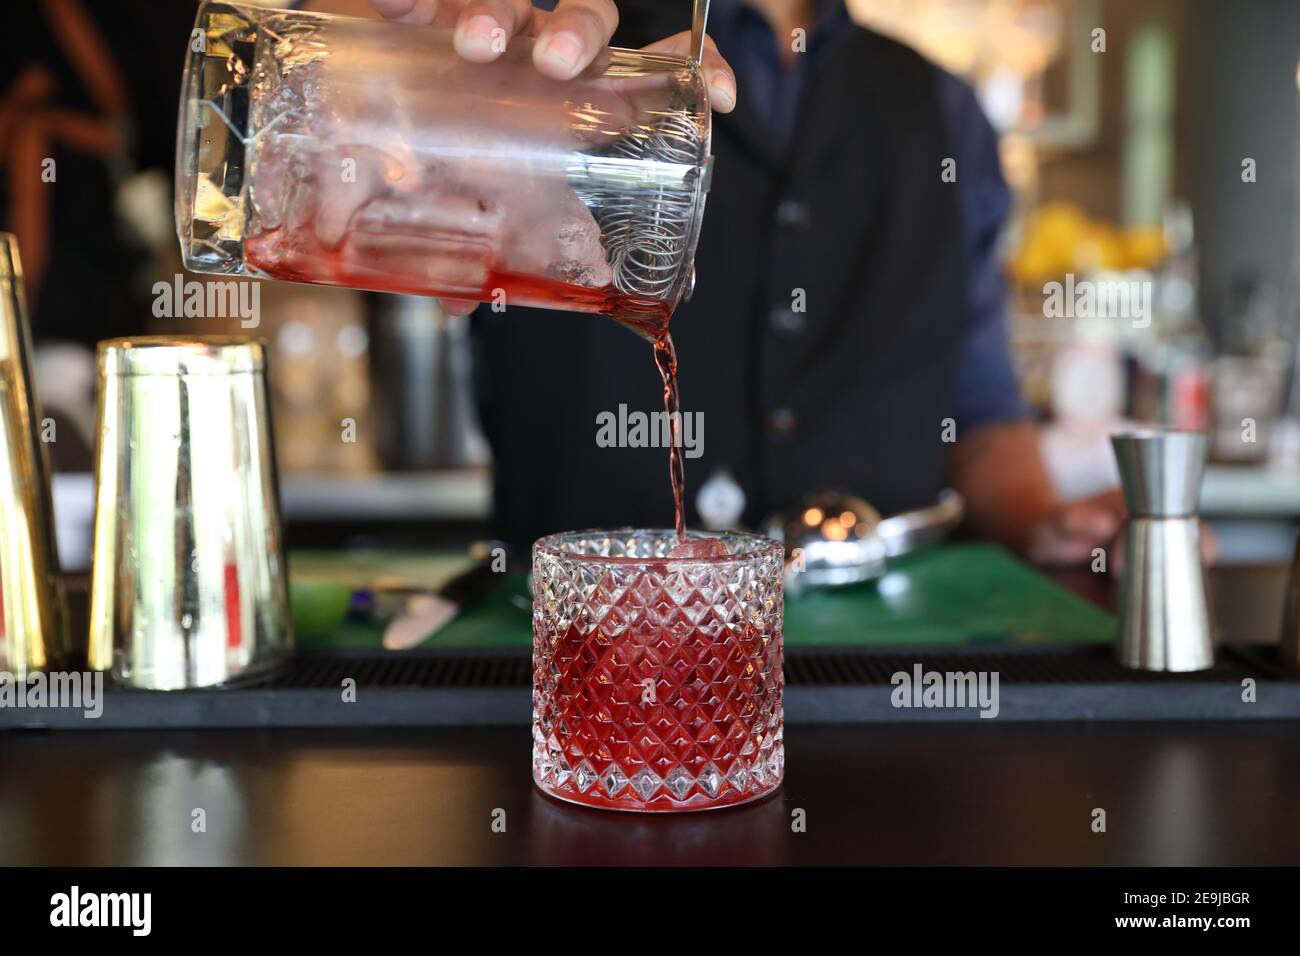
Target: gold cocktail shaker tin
33,617
189,580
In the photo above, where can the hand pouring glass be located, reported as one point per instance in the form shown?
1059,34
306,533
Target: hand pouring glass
367,154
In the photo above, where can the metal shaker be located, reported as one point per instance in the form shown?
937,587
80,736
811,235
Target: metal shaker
33,617
189,580
1164,613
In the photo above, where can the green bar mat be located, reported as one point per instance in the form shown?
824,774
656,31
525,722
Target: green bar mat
954,594
958,594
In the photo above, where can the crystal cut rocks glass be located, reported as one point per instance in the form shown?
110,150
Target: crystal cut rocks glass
657,680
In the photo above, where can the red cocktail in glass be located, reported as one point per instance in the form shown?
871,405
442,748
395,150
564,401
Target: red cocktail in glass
657,680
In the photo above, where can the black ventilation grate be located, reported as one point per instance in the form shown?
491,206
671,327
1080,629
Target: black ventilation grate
1075,665
824,685
422,670
803,667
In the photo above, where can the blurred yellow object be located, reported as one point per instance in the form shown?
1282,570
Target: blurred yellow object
1145,247
1032,265
1046,251
1059,238
1100,249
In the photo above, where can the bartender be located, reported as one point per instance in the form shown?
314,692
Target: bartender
847,330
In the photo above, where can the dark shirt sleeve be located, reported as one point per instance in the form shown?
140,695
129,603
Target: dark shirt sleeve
986,389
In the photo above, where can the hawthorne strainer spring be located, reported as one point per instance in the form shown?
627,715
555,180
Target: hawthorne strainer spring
646,233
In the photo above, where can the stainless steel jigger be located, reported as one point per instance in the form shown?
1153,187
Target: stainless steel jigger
189,584
1164,616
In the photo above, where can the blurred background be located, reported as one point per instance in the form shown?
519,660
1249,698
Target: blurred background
1153,141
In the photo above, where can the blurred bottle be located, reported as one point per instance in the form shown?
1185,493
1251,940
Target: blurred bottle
1185,348
1087,404
1248,374
1286,437
320,379
420,385
1170,367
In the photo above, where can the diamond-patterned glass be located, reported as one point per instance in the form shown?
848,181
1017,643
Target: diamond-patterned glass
657,681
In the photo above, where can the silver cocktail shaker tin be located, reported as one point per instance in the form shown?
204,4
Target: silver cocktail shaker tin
189,581
33,623
1164,613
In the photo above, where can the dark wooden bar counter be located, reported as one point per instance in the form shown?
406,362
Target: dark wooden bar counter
984,793
980,792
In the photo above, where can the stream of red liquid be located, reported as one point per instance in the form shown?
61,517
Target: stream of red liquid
666,361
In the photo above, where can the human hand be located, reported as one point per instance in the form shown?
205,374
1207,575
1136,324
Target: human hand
1072,534
568,38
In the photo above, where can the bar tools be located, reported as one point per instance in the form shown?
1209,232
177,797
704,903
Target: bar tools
33,626
699,23
189,582
1164,616
835,539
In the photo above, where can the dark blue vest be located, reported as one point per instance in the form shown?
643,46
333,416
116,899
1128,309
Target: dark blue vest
850,394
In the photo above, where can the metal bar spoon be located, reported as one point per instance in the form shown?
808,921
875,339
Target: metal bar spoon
699,17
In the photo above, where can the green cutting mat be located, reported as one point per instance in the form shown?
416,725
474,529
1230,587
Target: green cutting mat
955,594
